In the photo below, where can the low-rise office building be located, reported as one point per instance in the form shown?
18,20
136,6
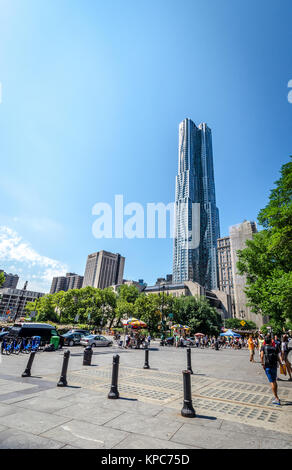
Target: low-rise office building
13,301
220,300
65,283
11,280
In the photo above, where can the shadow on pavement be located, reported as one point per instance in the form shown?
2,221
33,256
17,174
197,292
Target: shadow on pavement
212,418
128,399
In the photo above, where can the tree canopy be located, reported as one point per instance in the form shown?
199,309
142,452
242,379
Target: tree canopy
197,313
2,278
235,323
104,307
267,258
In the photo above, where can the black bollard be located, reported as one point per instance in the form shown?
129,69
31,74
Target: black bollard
189,361
146,365
63,379
27,373
87,356
187,410
114,393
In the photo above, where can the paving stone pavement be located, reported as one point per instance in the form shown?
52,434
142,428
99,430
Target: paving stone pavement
231,396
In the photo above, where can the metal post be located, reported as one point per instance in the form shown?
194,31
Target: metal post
187,410
146,365
87,355
114,393
63,379
27,373
189,361
20,300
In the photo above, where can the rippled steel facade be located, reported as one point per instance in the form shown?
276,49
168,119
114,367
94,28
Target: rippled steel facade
196,215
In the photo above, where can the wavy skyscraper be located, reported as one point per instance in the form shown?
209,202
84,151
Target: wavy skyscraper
196,215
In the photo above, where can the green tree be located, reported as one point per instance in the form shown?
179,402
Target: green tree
124,310
125,302
147,310
267,258
80,306
45,309
235,323
89,306
2,278
128,293
108,307
197,313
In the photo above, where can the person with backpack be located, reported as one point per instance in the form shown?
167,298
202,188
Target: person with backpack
269,359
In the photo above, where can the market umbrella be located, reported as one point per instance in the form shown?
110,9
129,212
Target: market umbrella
230,333
137,324
126,323
199,334
129,320
175,327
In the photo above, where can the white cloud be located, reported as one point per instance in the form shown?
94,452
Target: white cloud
19,254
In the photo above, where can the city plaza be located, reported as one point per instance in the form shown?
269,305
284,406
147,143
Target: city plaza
231,397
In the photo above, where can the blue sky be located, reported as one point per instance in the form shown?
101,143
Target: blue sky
92,96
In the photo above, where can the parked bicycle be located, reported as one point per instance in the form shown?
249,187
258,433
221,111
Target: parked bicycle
17,346
20,345
7,346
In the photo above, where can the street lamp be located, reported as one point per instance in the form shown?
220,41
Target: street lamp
34,313
76,318
57,309
163,317
104,308
20,300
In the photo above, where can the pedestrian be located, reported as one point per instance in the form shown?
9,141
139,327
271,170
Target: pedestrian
127,340
284,355
261,341
269,359
149,339
277,342
251,348
216,344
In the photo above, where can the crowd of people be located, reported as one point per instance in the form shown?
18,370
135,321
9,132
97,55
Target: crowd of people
222,341
281,346
206,341
133,340
272,351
